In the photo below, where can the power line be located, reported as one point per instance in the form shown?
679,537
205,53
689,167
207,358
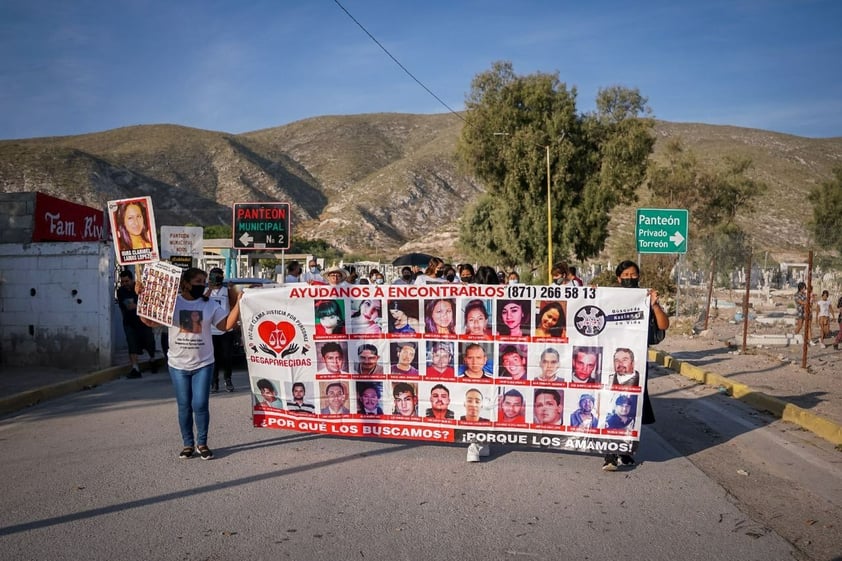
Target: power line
385,50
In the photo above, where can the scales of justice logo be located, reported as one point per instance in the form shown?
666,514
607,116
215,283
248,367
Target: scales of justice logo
277,339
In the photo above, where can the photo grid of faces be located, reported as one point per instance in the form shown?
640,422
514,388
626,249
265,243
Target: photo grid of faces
462,361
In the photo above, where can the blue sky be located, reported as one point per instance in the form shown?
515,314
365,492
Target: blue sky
72,67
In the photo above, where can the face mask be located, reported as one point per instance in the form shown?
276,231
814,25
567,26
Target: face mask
467,278
378,281
407,277
216,279
314,270
512,281
558,281
629,283
450,278
197,291
439,274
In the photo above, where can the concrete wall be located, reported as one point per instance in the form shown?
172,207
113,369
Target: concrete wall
57,305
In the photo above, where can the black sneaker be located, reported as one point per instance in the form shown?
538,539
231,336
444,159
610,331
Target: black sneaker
215,387
204,452
610,463
153,366
627,460
134,373
186,452
229,386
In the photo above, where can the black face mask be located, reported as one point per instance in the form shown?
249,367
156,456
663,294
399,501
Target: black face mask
407,277
467,278
629,283
439,274
450,278
216,278
558,281
197,291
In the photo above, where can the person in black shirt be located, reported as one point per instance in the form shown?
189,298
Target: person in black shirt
139,336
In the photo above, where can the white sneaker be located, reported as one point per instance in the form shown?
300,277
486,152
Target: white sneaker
473,452
812,343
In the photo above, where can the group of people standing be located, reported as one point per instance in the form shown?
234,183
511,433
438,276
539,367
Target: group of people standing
824,313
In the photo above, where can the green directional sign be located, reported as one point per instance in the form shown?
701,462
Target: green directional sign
661,230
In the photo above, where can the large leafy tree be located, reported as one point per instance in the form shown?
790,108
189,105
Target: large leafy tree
827,212
514,125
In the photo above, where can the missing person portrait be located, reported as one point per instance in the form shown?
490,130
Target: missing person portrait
335,397
474,362
550,366
624,371
333,358
368,400
368,360
586,363
513,318
550,320
440,316
329,317
405,399
548,405
512,407
513,362
404,358
473,407
586,416
268,395
440,359
476,322
298,404
439,403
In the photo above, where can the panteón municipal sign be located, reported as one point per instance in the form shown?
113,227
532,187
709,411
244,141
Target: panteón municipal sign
261,226
661,230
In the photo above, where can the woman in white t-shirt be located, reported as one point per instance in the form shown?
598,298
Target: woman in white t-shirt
191,360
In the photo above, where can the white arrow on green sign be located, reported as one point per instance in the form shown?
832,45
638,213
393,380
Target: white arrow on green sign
661,230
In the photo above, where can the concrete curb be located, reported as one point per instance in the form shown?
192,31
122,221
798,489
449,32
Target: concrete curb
820,426
22,400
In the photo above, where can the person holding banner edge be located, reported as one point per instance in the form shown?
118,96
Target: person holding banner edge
628,276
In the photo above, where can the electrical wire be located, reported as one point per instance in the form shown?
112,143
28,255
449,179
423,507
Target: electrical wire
385,50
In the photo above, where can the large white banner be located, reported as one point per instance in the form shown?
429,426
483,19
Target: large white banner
551,366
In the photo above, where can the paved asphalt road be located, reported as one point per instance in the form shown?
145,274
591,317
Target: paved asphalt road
94,476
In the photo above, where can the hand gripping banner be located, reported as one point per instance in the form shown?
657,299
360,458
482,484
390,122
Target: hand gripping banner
559,367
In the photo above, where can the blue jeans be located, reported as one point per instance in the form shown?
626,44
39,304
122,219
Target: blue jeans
192,393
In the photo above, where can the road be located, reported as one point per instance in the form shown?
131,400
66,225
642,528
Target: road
95,476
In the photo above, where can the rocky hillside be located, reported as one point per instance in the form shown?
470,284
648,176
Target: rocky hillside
378,184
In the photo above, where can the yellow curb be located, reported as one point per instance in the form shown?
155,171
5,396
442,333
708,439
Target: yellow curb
820,426
21,400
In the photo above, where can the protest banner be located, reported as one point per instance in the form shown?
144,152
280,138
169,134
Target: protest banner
133,230
552,366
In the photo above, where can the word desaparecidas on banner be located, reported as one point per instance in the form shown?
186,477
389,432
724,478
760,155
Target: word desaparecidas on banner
559,367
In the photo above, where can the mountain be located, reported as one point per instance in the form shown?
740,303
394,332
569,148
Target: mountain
377,184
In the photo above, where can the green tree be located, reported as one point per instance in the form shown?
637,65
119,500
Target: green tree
827,212
596,160
218,232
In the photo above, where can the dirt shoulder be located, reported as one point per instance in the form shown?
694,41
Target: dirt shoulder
773,370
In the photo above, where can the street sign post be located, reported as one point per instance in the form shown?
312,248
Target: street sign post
661,230
261,226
